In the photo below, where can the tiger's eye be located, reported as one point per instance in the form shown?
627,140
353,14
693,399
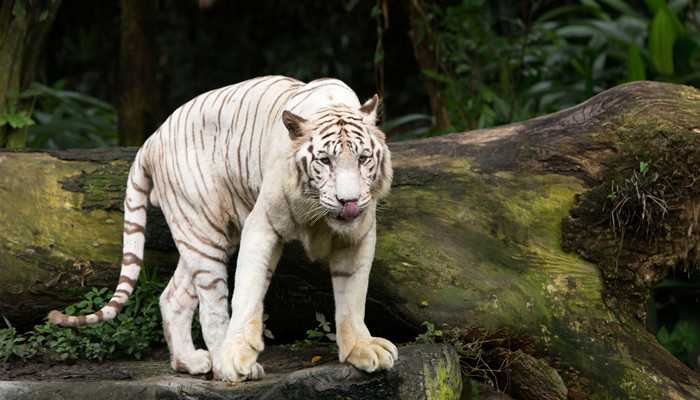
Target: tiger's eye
325,160
363,159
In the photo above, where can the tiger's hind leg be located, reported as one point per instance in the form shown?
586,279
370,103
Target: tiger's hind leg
177,305
209,280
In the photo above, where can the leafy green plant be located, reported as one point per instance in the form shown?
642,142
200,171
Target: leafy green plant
409,126
494,65
643,167
132,332
11,344
431,334
673,318
130,335
682,340
662,43
319,335
68,119
16,119
497,65
321,332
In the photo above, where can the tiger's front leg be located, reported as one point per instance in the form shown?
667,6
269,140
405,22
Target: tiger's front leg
350,269
259,252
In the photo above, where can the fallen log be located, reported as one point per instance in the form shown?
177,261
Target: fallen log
504,229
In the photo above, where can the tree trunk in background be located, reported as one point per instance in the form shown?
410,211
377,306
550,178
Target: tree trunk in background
139,101
23,27
470,238
426,56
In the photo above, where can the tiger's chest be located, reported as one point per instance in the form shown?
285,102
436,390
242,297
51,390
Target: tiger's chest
318,242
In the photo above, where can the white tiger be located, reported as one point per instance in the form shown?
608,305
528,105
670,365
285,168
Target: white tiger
258,163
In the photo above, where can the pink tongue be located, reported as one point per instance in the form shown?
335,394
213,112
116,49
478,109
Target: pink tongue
350,210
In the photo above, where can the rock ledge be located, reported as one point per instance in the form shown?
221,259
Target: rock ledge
422,372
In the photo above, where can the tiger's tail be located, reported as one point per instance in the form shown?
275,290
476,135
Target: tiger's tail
138,188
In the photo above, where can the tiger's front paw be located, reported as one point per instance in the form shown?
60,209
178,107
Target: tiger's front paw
238,363
373,354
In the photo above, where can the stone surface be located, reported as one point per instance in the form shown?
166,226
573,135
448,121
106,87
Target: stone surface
422,372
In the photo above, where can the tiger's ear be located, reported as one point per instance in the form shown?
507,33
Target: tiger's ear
294,123
371,110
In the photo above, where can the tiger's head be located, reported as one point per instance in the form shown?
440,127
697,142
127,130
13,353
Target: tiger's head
341,159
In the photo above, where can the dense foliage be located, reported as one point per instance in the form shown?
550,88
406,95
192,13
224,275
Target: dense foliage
69,119
499,66
134,331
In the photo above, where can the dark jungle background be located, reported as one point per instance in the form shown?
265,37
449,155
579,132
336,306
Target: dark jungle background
80,74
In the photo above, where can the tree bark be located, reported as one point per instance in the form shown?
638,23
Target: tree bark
426,56
139,102
470,238
23,27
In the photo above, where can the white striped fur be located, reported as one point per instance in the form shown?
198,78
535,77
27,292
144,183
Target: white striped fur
257,163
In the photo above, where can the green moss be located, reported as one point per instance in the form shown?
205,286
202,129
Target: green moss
55,228
40,248
443,380
485,251
103,187
505,229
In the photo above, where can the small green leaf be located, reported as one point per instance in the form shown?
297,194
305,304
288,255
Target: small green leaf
643,167
635,64
591,3
375,11
661,39
576,31
432,74
19,120
19,10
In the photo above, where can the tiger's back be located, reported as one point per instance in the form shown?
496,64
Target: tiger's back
208,159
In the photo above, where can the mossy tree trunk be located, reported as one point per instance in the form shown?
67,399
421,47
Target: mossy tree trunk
471,238
23,27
